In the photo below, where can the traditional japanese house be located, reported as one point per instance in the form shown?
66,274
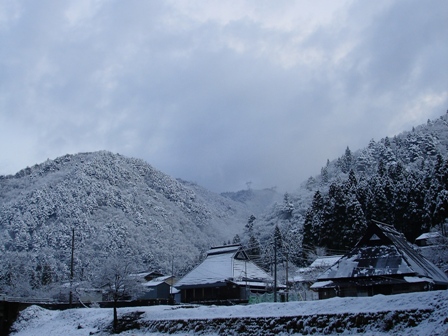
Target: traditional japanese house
226,275
382,262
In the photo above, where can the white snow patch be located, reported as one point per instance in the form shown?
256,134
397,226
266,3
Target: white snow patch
411,279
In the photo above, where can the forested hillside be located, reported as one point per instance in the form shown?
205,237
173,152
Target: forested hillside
401,180
123,206
116,206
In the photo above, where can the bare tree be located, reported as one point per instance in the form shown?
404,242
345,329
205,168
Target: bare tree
116,277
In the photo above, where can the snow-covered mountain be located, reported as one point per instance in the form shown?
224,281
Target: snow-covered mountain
123,205
114,204
402,180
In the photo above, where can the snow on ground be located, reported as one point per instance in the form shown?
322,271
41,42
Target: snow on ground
85,321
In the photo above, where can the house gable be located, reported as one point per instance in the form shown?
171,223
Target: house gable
241,255
375,236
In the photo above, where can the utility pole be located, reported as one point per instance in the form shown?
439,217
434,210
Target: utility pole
172,278
287,275
71,269
275,269
245,274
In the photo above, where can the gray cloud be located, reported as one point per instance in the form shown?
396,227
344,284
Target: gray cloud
217,93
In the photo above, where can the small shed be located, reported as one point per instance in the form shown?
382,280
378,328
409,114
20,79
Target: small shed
303,278
226,275
428,239
155,290
156,286
382,262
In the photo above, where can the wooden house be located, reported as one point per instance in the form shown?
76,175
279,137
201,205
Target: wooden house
155,285
382,262
226,275
154,290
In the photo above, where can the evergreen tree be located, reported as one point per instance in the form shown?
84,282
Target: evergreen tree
288,207
324,175
346,161
253,249
278,240
355,223
440,212
250,224
352,180
400,203
236,239
414,219
380,209
46,275
381,170
313,221
333,218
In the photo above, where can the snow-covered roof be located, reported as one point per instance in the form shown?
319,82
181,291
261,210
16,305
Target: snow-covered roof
413,279
153,283
383,251
224,249
325,261
226,263
317,267
163,278
139,275
144,275
428,235
157,281
320,284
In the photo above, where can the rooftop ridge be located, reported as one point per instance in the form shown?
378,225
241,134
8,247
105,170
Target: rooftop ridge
381,223
224,246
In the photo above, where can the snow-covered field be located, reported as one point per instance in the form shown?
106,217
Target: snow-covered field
77,322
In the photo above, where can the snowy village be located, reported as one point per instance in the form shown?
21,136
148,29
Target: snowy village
239,167
316,262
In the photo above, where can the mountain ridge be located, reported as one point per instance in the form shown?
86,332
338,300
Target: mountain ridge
114,204
124,205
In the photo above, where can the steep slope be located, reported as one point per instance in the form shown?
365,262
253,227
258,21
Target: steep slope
115,204
401,180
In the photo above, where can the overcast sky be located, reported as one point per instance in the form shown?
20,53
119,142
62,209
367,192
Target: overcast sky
217,92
